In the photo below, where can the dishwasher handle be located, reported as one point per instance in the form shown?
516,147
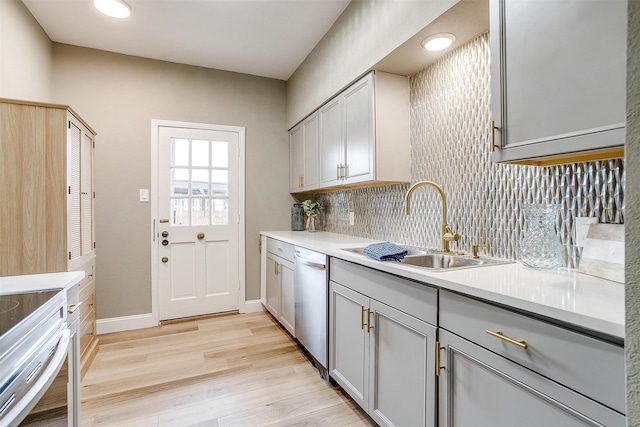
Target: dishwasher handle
309,263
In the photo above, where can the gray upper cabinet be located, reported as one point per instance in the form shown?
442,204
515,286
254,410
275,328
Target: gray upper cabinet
303,155
364,133
557,80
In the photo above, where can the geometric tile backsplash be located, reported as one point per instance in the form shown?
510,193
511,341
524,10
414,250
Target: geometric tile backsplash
450,116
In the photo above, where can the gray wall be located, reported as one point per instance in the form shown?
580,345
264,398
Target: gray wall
632,267
25,54
118,96
366,32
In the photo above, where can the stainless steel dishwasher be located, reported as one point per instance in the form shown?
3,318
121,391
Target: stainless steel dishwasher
311,305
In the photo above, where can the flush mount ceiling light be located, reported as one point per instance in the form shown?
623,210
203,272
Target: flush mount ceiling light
113,8
438,42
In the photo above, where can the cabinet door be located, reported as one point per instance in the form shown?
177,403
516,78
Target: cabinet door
287,297
349,342
479,388
358,131
74,203
80,191
272,301
331,148
86,191
311,128
550,93
402,369
296,158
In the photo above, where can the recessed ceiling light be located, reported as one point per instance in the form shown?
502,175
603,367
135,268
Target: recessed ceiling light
113,8
438,42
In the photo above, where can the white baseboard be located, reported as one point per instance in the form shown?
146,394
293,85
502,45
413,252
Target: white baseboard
140,321
253,306
125,323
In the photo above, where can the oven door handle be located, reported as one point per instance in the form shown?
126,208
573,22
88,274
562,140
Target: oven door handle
309,263
41,385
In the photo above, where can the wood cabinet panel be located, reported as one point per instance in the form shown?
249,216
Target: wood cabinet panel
46,188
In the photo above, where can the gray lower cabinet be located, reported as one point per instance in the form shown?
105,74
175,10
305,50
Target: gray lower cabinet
279,296
383,357
551,95
500,368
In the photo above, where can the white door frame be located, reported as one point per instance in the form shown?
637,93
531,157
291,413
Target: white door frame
155,127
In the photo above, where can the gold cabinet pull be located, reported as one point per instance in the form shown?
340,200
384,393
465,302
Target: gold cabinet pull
499,334
493,135
369,326
338,171
165,260
275,268
362,323
200,236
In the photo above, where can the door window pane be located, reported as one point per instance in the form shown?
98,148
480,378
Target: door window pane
179,211
199,153
179,182
199,211
220,212
179,152
200,182
219,154
219,183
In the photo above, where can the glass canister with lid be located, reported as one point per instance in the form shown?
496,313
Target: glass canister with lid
297,217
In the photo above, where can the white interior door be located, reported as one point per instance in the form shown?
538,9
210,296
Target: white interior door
198,212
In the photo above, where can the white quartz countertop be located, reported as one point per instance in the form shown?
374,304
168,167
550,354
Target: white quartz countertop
572,298
38,282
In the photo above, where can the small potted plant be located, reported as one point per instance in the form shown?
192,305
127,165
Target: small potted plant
312,210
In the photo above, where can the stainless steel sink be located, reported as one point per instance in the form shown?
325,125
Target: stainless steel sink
439,261
410,251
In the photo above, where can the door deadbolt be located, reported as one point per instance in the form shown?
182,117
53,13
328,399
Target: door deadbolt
165,242
165,233
165,259
200,236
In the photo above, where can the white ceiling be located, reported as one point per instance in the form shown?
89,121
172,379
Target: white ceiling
268,38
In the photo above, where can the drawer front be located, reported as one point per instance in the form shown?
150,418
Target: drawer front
282,249
415,299
87,332
588,365
87,298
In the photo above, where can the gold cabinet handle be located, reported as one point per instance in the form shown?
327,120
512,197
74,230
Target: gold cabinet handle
362,323
275,268
165,260
338,171
369,326
200,236
498,334
493,135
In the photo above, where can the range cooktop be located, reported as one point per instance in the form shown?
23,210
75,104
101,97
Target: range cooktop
14,308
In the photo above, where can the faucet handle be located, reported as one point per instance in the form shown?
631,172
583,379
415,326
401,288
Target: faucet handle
450,235
474,250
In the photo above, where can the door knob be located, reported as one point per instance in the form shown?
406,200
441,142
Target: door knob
200,236
165,233
165,259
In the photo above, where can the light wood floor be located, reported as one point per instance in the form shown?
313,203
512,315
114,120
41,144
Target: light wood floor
233,370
